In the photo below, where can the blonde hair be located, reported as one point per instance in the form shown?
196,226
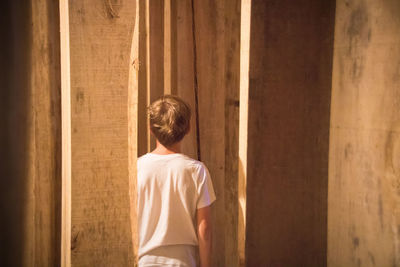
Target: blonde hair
169,119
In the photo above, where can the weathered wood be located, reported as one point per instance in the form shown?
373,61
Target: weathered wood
209,17
167,47
17,137
173,46
142,63
184,69
66,135
288,132
30,119
133,97
100,40
45,85
216,60
245,14
231,79
155,65
364,202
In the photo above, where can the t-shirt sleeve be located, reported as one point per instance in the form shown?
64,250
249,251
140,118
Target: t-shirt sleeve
205,190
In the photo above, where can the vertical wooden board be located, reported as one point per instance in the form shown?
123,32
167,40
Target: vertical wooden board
184,69
156,55
156,66
209,19
232,12
364,202
173,46
288,129
170,67
47,134
30,138
17,138
167,46
142,80
65,136
100,43
245,19
133,97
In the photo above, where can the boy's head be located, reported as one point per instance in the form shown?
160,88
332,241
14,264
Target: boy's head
169,119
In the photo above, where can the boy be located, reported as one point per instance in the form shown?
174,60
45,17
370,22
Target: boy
173,190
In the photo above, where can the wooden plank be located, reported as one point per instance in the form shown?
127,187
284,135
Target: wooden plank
30,168
101,35
133,97
209,17
245,15
17,160
46,103
143,131
184,69
232,13
217,63
173,46
364,202
66,135
288,132
155,65
167,47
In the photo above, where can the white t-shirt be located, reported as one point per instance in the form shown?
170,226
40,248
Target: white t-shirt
170,189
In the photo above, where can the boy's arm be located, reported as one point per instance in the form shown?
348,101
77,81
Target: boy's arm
204,235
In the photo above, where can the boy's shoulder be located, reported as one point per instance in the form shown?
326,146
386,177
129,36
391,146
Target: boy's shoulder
177,158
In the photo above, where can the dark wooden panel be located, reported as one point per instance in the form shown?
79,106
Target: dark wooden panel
30,170
288,129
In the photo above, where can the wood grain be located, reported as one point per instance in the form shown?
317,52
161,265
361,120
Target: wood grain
66,135
142,63
167,46
46,138
210,43
30,138
133,98
290,63
184,69
245,15
100,41
231,80
364,202
156,55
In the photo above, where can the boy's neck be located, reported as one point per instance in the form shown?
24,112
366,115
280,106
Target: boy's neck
162,150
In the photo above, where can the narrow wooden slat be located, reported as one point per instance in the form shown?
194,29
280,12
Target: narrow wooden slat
46,103
156,55
167,47
173,46
184,69
66,135
245,14
143,131
133,97
148,72
232,11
